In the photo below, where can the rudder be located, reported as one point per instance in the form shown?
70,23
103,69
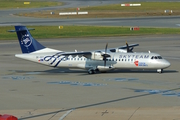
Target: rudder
27,43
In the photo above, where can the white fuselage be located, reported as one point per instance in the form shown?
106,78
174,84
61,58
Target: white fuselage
93,61
116,61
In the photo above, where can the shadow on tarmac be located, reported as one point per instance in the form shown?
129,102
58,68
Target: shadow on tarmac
84,72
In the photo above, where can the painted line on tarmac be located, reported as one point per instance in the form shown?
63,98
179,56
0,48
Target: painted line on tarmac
68,112
76,83
161,92
15,77
121,79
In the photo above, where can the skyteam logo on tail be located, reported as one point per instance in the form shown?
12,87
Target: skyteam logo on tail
26,41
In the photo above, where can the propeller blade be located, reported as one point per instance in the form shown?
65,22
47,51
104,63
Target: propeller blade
106,48
105,55
132,49
127,47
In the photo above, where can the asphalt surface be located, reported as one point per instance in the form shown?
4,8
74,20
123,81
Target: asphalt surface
35,91
28,85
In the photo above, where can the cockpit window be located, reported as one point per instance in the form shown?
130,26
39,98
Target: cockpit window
156,57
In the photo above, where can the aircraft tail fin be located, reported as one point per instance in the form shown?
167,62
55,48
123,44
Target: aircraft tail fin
27,43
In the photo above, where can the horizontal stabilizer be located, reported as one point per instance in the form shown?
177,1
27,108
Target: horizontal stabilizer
21,30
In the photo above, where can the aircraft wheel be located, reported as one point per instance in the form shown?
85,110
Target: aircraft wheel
159,70
91,71
94,71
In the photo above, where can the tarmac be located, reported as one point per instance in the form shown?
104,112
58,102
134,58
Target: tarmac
32,91
35,92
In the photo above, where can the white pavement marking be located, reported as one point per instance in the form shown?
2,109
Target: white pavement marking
61,118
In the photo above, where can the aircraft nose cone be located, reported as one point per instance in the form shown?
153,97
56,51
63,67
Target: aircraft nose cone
167,64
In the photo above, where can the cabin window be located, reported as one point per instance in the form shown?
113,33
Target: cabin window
159,57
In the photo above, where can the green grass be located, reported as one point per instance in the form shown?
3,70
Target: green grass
144,6
11,4
85,31
115,10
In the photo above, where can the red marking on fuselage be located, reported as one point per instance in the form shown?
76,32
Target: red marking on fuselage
136,63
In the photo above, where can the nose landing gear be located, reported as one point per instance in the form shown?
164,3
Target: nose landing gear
159,70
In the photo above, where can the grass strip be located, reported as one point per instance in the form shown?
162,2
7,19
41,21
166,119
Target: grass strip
85,31
145,6
13,4
115,10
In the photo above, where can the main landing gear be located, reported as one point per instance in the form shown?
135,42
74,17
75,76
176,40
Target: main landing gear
92,71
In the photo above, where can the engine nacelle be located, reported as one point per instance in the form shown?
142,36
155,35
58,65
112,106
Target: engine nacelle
118,50
104,68
122,50
96,56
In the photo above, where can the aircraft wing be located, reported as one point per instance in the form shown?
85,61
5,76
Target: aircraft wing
126,48
89,54
130,46
77,53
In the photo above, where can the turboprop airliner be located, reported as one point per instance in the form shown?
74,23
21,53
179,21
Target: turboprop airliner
93,61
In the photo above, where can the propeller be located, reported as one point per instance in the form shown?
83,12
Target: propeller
129,49
105,55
